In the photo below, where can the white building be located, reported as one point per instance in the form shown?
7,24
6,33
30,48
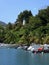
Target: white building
23,22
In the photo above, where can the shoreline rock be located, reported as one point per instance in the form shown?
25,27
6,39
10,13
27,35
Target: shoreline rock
8,45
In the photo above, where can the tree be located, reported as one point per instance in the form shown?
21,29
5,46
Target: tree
10,38
35,22
24,16
2,34
44,15
9,26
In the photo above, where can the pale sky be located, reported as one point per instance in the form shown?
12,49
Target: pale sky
9,9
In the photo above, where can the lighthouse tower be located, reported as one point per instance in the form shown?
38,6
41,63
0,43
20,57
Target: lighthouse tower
23,22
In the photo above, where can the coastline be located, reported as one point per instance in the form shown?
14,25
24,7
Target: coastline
8,45
34,48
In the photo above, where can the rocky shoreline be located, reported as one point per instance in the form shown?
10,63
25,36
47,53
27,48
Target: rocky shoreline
34,48
8,45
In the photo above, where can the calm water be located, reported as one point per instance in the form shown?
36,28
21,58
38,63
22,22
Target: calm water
21,57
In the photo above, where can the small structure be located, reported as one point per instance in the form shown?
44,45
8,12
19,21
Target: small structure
40,49
29,48
23,22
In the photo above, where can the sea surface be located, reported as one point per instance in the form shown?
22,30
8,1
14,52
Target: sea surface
11,56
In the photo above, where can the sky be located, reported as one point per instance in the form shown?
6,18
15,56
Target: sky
10,9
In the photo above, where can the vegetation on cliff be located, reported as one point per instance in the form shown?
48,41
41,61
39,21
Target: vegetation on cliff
34,30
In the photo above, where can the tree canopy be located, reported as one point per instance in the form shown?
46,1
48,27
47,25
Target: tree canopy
35,30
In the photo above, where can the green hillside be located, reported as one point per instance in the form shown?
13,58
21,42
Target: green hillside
34,30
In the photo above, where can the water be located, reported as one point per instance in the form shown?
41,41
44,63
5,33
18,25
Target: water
20,57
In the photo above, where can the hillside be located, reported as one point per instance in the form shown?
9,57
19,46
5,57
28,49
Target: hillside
35,29
2,23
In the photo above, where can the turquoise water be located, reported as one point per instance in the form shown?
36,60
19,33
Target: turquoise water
21,57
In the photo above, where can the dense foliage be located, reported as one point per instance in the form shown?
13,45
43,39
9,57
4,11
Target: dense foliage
35,29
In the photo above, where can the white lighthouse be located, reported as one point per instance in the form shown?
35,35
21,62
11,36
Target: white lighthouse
23,22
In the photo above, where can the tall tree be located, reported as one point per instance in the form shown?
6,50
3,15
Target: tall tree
24,16
44,15
9,26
